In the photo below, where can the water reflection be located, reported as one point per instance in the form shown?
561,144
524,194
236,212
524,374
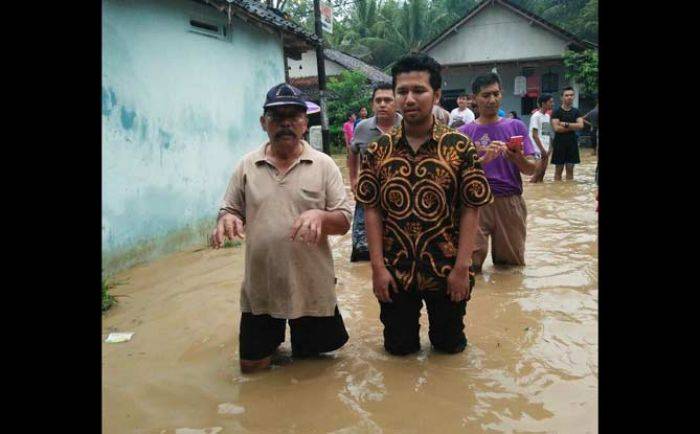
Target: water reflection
530,366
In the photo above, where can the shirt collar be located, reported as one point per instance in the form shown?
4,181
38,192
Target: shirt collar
437,130
306,154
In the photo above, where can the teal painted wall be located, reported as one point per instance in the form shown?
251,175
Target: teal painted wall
179,110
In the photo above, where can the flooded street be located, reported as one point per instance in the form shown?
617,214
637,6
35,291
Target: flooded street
531,365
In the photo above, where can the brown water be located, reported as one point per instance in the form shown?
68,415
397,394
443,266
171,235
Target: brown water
531,365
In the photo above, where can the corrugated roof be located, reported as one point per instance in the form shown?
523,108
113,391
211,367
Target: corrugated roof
374,74
265,15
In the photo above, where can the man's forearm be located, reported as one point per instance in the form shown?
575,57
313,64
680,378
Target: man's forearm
335,223
374,228
524,165
538,142
352,166
468,225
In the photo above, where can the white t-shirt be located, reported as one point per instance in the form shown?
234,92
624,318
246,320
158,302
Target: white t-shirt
540,121
467,116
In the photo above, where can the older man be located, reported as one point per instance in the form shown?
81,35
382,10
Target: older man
385,118
287,198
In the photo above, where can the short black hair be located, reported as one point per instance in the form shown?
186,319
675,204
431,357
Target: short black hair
485,80
381,86
418,62
463,95
567,88
543,99
349,113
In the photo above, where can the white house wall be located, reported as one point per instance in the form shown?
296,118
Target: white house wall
179,110
307,66
497,34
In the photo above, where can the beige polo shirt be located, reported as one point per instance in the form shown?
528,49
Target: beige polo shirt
284,278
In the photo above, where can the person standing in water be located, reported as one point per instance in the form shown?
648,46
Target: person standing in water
385,118
422,187
504,220
286,197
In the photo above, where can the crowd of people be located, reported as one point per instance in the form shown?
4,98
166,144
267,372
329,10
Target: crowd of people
432,189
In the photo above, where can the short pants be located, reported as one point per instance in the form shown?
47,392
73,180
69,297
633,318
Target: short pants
260,335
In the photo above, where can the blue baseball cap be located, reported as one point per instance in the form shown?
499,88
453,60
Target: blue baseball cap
284,94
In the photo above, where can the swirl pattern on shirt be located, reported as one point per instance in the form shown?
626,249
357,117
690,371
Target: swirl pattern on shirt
420,194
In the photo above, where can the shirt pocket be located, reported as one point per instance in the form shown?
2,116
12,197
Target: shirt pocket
311,192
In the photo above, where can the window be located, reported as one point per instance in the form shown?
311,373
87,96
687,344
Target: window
550,83
527,105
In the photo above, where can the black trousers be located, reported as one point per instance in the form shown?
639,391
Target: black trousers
401,321
260,335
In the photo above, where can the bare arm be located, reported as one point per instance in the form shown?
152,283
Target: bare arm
558,127
561,127
352,168
381,278
538,142
526,165
458,281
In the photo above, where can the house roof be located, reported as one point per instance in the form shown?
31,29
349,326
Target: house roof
259,13
517,9
374,74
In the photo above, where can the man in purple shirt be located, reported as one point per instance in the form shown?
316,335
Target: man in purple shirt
504,220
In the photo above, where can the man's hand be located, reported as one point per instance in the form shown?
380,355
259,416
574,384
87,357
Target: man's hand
381,281
353,186
308,227
458,284
493,150
513,156
228,226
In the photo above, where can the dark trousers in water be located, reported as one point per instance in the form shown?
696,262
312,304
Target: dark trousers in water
445,318
360,251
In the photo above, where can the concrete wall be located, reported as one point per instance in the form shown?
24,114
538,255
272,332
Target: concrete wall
462,77
307,67
179,109
497,34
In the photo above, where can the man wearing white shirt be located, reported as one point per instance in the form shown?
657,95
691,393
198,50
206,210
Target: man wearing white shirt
462,114
539,131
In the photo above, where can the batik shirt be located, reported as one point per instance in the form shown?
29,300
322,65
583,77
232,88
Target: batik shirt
420,195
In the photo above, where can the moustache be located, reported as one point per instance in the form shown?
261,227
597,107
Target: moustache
285,132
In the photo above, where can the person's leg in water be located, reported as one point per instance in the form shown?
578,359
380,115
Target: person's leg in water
569,172
481,242
312,336
508,238
558,170
259,337
446,320
400,318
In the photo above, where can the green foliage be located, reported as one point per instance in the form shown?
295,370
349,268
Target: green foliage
583,67
347,92
229,244
107,299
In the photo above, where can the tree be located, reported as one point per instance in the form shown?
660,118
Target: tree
583,68
347,92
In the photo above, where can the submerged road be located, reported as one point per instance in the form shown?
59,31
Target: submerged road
531,364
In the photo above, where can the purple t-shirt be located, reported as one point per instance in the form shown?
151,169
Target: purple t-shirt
504,176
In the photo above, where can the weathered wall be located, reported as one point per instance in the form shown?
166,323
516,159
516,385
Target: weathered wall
497,34
308,67
179,109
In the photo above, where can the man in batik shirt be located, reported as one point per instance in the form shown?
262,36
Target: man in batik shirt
421,185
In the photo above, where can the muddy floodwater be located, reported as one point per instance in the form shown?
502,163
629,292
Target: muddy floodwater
531,365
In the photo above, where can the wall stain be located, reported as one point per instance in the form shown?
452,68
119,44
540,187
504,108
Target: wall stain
109,100
165,138
127,118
